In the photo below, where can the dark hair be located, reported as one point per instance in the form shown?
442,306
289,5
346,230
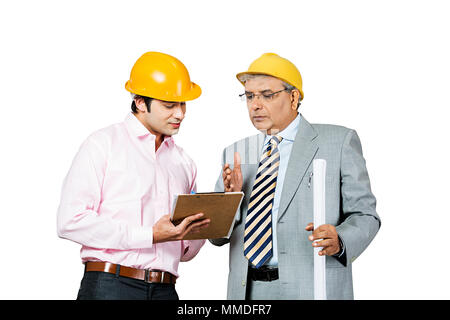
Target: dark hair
147,101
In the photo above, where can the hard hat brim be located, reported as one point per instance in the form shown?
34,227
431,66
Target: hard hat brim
267,74
192,94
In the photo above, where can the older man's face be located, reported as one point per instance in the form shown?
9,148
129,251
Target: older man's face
269,113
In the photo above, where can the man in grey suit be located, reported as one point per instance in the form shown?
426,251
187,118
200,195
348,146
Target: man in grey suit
271,247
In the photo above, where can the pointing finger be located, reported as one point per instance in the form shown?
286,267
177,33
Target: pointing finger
237,161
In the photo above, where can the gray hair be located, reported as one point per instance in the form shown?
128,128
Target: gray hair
243,78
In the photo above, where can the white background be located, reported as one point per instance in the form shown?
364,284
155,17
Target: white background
379,67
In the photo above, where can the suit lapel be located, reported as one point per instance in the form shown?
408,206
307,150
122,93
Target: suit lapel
303,152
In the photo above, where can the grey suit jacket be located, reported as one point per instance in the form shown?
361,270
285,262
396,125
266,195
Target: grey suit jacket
350,206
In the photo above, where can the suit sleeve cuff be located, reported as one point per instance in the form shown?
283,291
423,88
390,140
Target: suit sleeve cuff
341,255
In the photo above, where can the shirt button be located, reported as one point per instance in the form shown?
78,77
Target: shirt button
244,283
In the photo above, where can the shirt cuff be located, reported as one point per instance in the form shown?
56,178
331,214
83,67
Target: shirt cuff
341,252
193,247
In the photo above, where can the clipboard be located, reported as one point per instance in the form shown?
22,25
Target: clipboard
219,207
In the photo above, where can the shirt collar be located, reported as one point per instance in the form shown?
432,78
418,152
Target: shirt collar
289,132
137,129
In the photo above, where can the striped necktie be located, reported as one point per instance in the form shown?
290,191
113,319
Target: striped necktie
258,223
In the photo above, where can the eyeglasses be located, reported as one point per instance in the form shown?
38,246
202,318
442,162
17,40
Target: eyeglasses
267,96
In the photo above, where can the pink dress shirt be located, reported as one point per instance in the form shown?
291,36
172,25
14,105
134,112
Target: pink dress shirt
117,188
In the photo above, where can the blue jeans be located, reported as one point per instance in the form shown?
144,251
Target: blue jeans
107,286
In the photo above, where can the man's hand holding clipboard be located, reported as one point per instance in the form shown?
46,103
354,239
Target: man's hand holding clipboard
218,208
164,230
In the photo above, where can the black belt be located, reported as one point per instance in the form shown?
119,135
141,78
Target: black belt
263,274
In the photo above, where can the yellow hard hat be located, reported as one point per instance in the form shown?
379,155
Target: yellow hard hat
273,65
163,77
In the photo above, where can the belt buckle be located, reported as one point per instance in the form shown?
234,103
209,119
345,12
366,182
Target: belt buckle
264,274
147,275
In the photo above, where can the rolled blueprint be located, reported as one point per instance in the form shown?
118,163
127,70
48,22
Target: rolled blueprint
319,172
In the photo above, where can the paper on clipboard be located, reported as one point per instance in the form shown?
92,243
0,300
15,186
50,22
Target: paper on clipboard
220,207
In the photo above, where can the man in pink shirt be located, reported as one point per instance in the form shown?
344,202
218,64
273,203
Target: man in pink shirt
118,193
